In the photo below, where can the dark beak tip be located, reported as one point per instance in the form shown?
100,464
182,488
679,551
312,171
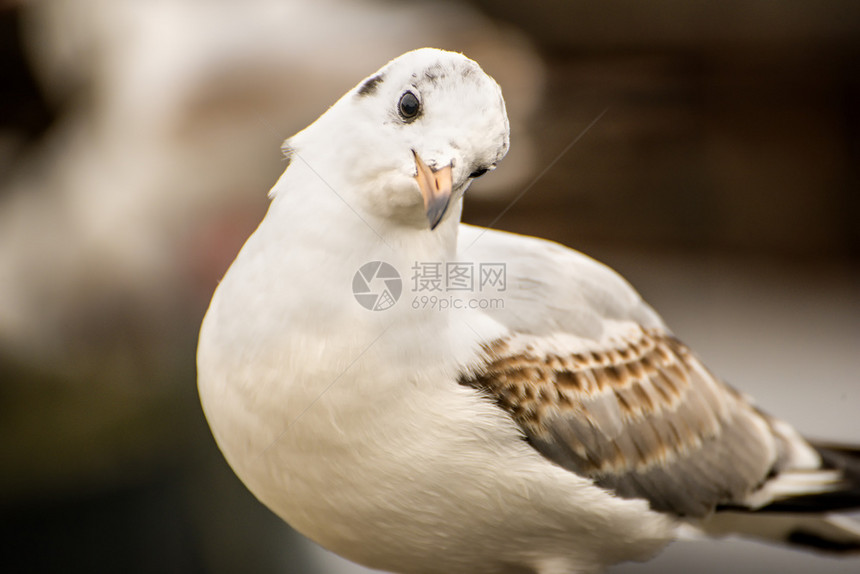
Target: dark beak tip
434,216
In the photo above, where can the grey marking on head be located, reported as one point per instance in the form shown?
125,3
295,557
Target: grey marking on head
469,69
434,72
370,85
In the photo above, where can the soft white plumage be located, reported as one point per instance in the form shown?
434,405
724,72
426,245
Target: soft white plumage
396,437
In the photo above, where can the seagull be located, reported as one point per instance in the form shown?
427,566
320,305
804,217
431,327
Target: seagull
563,429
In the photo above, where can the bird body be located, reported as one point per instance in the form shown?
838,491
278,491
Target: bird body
414,474
564,431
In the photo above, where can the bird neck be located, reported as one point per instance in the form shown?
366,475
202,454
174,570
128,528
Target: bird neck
302,200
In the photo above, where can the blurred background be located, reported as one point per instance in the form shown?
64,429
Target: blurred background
138,141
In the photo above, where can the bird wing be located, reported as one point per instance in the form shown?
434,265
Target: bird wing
599,386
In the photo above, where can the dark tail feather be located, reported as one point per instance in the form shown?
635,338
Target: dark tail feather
821,533
845,459
841,457
811,539
805,521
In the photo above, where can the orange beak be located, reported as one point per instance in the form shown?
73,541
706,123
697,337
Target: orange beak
435,187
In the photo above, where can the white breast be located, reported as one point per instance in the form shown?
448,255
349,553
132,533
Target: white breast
402,469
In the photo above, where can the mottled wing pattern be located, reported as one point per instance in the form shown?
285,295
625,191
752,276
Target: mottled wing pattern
637,412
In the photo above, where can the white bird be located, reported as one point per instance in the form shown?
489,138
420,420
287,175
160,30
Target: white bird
561,430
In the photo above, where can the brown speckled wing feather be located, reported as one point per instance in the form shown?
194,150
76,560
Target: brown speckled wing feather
638,413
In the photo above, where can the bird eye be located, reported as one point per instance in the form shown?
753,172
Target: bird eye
478,172
409,106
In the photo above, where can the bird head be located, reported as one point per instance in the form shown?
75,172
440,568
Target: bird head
407,141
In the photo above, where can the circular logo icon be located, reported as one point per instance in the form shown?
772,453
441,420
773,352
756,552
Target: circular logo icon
377,286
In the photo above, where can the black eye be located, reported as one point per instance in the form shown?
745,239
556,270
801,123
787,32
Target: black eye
478,172
409,106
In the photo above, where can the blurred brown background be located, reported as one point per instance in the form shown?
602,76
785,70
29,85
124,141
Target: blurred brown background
138,140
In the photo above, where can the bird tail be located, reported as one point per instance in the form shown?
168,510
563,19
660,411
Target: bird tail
845,493
831,534
805,520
